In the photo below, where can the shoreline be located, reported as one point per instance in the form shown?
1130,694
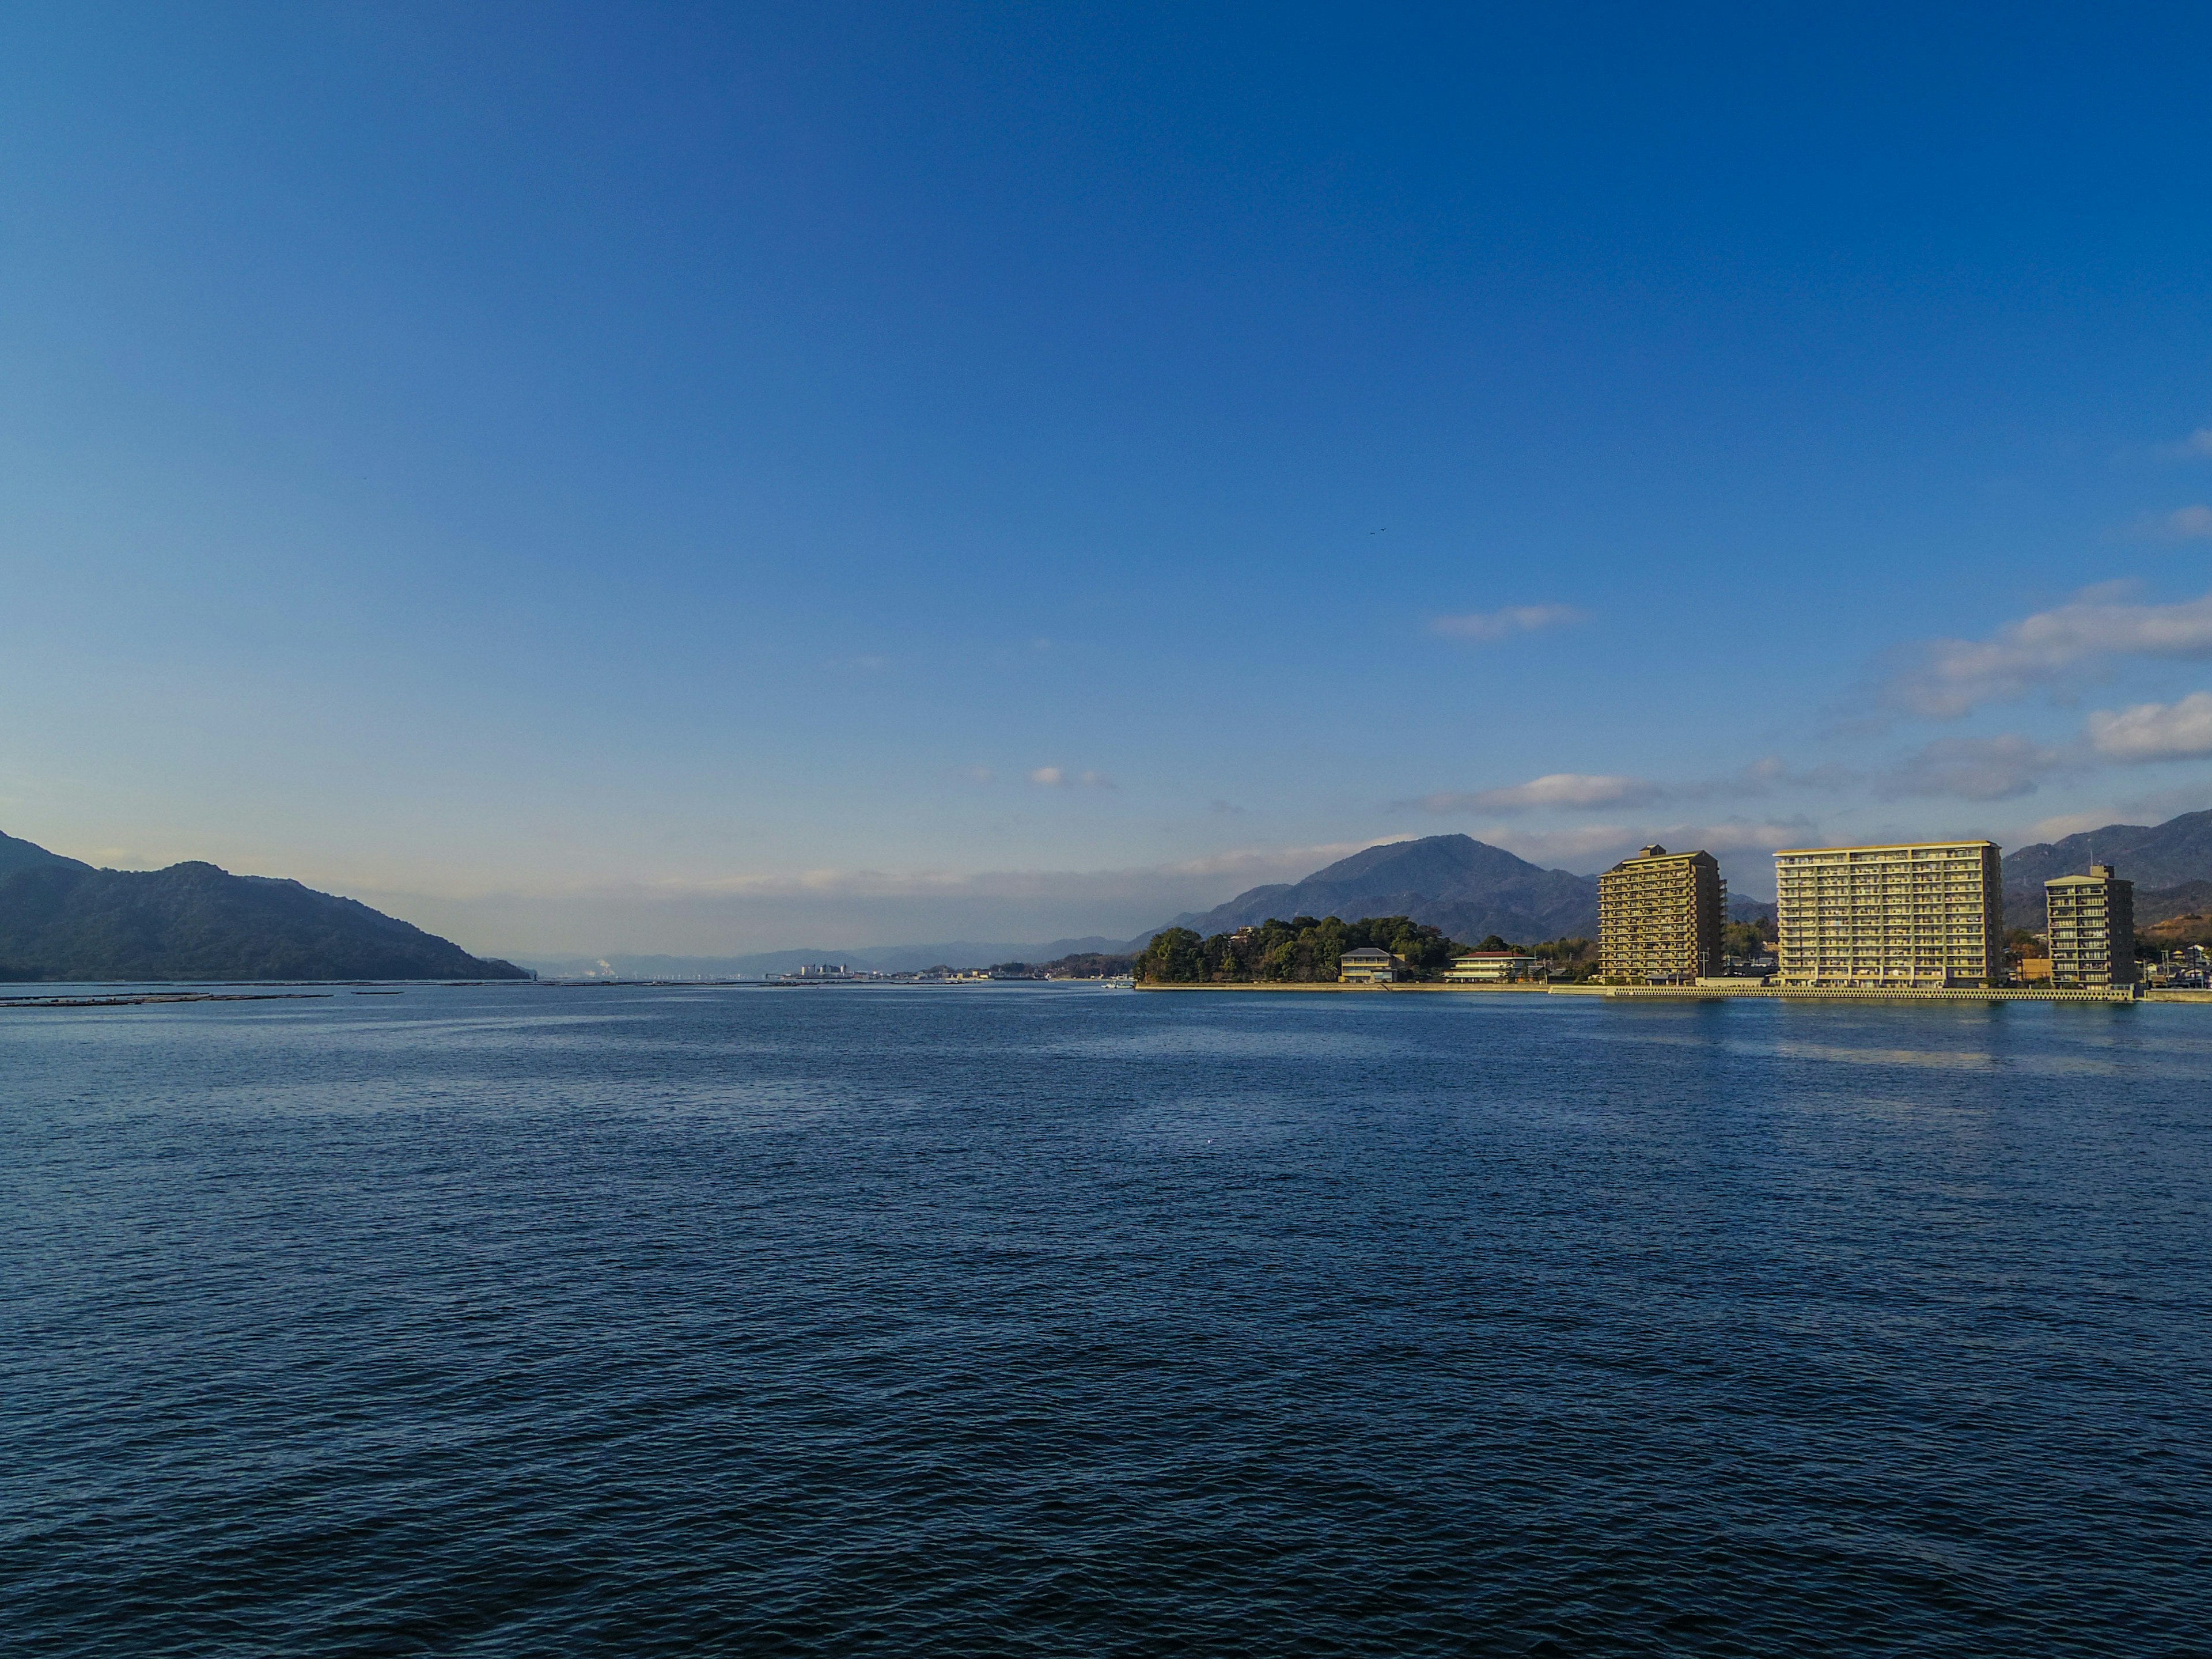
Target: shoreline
1716,994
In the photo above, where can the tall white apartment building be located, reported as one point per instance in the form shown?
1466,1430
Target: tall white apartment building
1923,913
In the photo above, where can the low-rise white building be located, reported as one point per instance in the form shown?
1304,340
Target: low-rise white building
1369,966
1491,968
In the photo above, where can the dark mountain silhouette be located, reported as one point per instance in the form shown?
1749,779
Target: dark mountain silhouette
60,919
2161,855
1466,887
23,855
2155,857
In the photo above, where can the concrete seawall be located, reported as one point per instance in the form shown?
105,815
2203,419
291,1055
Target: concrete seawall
1839,993
1354,990
1708,992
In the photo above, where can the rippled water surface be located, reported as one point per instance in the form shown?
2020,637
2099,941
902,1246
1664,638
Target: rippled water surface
523,1320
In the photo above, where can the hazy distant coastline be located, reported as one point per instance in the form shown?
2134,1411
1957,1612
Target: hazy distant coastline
1467,888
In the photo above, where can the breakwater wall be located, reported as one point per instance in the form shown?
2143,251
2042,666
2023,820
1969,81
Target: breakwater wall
1710,993
1845,993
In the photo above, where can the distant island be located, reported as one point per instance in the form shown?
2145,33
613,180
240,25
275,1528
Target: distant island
61,919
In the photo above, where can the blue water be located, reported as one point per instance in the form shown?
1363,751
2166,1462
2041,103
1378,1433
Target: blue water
526,1321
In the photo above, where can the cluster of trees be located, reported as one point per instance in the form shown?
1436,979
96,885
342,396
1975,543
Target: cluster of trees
1569,960
1302,951
1748,939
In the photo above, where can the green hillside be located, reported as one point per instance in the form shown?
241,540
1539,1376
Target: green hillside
60,919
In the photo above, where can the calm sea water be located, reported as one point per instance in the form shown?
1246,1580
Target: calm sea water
528,1321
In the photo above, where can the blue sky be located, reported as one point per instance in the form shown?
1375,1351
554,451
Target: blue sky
711,478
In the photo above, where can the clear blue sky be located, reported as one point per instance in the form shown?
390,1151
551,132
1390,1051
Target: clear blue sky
692,477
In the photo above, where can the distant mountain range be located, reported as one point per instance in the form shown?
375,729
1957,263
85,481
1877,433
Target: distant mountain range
2160,855
1466,887
1471,889
63,920
2169,863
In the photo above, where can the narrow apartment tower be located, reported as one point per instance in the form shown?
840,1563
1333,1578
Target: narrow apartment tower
1913,914
2093,928
1660,916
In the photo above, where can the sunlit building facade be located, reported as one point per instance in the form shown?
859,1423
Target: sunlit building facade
1491,968
2093,928
1913,914
1369,966
1660,918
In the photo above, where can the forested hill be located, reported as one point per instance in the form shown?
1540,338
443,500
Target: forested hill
60,919
2163,860
2153,855
24,855
1464,886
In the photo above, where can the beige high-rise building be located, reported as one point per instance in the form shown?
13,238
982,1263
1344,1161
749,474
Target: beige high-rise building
1659,917
1915,914
2093,928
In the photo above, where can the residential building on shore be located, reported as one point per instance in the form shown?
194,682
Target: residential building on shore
1660,918
1491,968
2093,928
1928,914
1369,966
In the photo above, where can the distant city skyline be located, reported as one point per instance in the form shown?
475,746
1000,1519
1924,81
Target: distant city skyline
609,480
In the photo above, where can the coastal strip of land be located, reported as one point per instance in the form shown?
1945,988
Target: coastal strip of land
1721,992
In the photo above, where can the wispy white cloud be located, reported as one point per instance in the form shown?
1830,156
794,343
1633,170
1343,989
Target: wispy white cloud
1596,845
2068,824
1052,777
2192,523
2155,730
2197,446
976,774
1973,769
1944,679
1589,791
1057,777
1486,627
1765,776
1578,849
1264,864
1744,835
1567,791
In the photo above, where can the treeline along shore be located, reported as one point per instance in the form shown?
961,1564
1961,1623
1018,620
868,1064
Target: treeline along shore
1309,950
